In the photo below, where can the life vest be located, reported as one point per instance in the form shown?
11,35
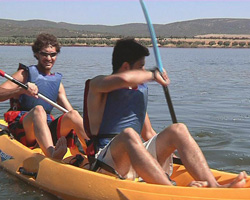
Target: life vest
48,85
124,108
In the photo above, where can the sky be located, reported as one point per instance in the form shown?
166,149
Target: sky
115,12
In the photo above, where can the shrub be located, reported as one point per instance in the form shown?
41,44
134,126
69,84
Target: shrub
211,43
220,43
235,44
242,44
227,43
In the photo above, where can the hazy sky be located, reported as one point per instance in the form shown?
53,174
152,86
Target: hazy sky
114,12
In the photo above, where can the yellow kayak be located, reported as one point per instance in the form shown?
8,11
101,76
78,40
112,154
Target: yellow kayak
69,182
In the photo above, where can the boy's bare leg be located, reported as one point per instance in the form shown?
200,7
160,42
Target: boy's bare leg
178,137
36,128
73,120
127,149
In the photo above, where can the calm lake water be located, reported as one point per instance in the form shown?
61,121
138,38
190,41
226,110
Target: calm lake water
209,90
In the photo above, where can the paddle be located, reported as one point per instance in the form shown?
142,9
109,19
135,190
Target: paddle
158,60
3,74
160,67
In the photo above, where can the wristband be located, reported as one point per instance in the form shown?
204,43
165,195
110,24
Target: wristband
153,73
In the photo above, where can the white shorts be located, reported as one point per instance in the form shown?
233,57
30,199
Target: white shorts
105,156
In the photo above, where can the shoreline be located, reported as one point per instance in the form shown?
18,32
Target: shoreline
150,46
213,41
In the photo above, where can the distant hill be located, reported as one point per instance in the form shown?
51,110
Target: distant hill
30,28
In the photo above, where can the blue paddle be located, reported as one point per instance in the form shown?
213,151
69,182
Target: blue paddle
158,60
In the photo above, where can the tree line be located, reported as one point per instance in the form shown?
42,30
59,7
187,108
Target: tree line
164,42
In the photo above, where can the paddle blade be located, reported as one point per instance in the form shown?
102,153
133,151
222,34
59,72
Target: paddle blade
153,37
2,73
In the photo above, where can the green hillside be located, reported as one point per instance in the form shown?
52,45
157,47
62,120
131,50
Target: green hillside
30,28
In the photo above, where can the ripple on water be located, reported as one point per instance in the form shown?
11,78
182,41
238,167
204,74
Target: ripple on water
18,189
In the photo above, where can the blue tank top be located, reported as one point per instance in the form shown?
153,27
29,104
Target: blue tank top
124,108
48,85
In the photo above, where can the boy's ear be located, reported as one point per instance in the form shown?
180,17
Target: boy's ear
125,66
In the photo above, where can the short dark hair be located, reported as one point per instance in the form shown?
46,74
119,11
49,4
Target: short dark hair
44,40
127,50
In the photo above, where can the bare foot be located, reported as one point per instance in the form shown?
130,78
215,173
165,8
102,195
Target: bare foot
198,184
238,182
60,148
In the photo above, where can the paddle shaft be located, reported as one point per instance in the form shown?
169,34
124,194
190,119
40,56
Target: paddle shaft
3,74
158,60
170,105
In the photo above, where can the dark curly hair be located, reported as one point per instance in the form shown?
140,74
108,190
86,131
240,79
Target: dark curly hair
44,40
127,50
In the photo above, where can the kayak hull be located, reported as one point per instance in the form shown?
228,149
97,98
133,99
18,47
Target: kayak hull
70,182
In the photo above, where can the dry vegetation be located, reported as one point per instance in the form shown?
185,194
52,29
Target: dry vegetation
199,41
211,40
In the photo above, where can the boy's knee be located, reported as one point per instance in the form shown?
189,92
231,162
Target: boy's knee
73,114
130,134
180,130
39,110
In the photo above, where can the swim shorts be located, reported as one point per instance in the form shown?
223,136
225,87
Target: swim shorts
105,156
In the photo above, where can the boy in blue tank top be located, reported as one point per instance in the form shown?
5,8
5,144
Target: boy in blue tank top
116,119
29,117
